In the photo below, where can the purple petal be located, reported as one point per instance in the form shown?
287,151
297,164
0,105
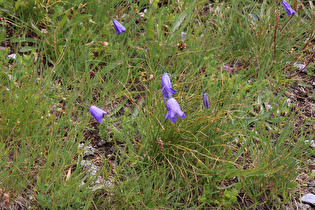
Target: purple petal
166,117
97,113
205,100
119,28
288,8
166,86
174,106
182,115
173,110
174,119
170,115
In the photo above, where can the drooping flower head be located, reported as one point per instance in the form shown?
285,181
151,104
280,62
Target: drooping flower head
288,8
97,113
119,28
166,85
173,110
205,99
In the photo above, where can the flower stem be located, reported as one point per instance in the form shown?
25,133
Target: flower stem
274,43
286,23
163,69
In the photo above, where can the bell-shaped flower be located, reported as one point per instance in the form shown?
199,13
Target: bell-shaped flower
97,113
119,28
288,8
205,99
166,86
173,110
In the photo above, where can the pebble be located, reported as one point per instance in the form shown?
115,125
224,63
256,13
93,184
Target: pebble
300,66
87,150
311,142
101,143
92,170
254,17
12,56
309,198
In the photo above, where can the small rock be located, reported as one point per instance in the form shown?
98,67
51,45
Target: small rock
44,31
92,170
109,184
80,144
312,183
306,207
183,36
12,56
90,167
309,198
300,66
311,142
227,68
87,150
254,17
101,143
82,184
268,106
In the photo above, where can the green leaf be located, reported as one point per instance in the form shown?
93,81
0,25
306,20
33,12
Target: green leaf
305,85
179,20
151,27
110,67
26,49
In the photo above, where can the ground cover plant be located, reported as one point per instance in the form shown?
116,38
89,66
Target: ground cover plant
155,104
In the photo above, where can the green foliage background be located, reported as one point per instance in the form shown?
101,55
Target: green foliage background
69,56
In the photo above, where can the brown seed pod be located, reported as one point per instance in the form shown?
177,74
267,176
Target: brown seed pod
160,143
181,45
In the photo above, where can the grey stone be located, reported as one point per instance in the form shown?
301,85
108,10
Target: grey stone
87,150
311,142
101,143
309,198
300,67
12,56
306,207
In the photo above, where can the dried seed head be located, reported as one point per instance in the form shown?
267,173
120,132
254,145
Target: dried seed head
295,5
300,6
181,45
277,19
160,143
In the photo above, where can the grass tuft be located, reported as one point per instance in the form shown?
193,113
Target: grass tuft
247,150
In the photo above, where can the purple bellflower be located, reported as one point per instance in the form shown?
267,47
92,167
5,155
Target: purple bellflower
119,28
166,85
97,113
288,8
173,110
205,99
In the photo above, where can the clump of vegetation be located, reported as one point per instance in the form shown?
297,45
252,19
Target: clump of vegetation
83,118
